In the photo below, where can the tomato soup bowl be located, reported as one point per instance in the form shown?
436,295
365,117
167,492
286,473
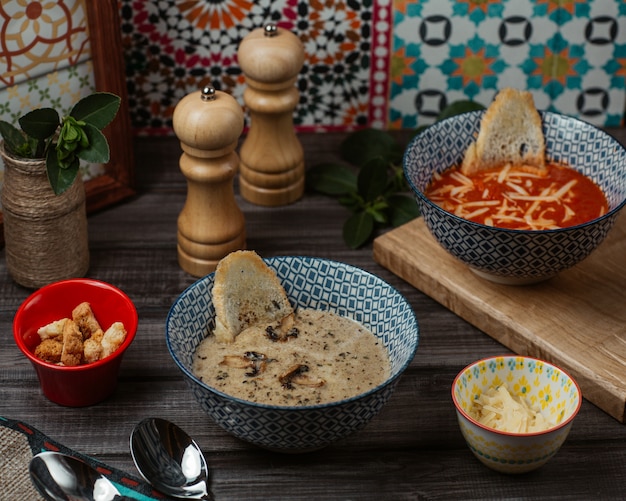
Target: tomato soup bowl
517,257
544,386
86,384
310,283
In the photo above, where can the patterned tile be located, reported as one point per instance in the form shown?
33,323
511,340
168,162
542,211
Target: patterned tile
571,55
385,63
44,60
173,48
59,89
382,63
41,37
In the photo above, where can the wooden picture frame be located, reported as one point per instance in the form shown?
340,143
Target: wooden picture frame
110,75
107,56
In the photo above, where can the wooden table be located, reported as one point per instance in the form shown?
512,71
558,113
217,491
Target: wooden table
412,450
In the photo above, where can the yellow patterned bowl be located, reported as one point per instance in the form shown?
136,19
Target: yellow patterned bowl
546,388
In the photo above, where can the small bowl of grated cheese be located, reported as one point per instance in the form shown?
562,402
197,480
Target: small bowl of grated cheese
515,412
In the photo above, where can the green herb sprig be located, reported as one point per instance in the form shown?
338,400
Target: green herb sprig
373,186
376,194
64,142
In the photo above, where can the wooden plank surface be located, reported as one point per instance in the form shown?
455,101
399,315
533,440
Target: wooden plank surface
576,320
412,450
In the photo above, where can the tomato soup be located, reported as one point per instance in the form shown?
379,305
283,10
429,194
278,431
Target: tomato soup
520,199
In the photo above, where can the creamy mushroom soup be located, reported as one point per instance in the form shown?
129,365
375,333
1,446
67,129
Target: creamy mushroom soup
318,357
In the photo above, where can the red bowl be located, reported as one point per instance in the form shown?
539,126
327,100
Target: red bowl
86,384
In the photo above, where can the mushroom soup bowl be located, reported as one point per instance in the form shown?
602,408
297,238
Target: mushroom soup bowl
309,283
508,256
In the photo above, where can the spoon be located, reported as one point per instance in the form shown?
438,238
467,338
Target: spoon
59,477
169,459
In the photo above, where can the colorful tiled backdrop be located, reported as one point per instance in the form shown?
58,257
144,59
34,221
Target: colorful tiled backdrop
385,63
570,54
45,59
39,39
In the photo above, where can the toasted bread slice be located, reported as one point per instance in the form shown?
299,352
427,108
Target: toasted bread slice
246,292
510,132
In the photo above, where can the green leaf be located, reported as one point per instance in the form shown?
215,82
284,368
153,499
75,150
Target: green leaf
331,179
372,179
97,109
378,196
40,124
403,209
14,141
358,229
60,178
98,149
458,107
352,201
366,144
397,181
379,213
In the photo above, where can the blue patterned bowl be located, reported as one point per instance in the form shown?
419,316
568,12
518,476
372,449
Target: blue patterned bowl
543,385
518,256
312,283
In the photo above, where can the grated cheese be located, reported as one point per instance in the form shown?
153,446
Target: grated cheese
502,175
481,203
517,188
564,189
477,212
497,408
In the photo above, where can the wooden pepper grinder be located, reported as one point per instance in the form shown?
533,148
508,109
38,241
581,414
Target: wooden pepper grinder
272,160
210,225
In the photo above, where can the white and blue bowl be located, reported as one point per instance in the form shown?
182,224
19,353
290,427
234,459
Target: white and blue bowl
310,283
518,256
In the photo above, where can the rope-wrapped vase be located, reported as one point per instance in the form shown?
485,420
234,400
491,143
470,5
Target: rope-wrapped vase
45,235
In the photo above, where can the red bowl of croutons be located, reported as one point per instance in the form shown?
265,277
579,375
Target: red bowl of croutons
75,333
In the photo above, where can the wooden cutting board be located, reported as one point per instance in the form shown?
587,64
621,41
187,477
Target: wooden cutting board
576,320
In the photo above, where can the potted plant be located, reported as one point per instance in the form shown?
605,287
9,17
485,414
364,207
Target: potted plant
43,198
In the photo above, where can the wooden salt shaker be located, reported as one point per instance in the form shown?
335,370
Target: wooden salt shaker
210,225
272,159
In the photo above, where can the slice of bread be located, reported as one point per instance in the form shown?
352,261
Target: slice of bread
246,292
510,132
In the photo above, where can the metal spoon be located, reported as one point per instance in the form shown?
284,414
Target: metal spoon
59,477
169,459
